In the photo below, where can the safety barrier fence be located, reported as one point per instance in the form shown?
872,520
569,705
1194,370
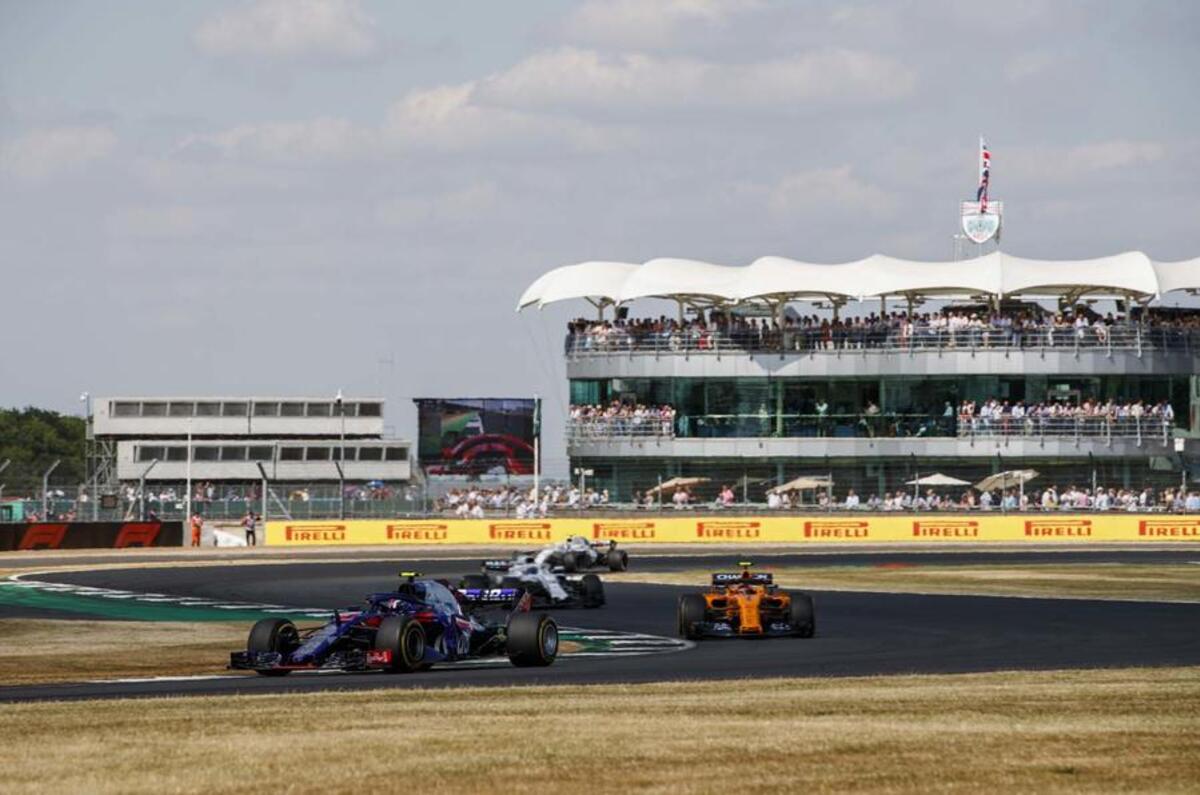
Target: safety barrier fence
802,529
882,340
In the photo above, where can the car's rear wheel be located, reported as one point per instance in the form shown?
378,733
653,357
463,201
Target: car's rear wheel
803,616
475,582
570,562
692,611
273,635
404,637
618,560
593,590
532,639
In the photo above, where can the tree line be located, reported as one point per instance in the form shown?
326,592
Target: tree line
32,439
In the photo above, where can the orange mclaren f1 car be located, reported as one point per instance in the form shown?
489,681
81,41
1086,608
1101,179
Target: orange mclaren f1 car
745,604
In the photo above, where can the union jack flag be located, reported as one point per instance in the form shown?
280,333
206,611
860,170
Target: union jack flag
985,175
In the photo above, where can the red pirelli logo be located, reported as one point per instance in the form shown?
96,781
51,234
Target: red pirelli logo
627,531
417,532
836,529
520,531
315,533
728,530
1058,528
946,529
1169,528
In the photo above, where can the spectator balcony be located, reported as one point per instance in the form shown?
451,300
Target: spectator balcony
808,436
858,351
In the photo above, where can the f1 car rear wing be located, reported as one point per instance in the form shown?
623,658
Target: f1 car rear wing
752,577
497,565
484,596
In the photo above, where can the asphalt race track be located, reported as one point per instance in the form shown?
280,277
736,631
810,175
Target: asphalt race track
857,633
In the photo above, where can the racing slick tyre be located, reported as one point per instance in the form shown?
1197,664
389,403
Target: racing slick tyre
692,611
532,639
803,617
570,563
593,590
404,637
618,560
273,635
475,582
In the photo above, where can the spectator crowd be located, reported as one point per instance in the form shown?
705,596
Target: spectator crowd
947,328
620,418
1090,417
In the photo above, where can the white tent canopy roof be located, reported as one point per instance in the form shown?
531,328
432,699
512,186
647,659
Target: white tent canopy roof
1129,274
597,281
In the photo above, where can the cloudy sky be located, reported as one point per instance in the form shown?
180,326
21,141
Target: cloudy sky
292,196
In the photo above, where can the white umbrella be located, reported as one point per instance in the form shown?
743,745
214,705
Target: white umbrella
1006,480
802,483
937,479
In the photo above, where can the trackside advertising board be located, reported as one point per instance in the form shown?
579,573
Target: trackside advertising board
819,529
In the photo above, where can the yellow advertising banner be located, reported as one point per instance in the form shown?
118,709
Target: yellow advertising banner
817,529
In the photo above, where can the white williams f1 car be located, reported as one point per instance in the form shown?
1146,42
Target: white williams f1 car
547,585
576,553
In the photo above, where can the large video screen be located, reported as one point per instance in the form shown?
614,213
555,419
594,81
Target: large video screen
476,436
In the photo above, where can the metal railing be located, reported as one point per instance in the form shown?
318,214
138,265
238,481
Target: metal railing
1152,428
880,339
876,426
620,428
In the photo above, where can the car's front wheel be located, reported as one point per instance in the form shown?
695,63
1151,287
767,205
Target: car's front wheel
692,611
593,590
276,635
404,637
532,639
803,616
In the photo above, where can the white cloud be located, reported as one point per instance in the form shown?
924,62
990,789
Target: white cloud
831,188
47,153
1065,164
638,24
337,29
450,118
155,222
308,141
462,205
1028,65
571,78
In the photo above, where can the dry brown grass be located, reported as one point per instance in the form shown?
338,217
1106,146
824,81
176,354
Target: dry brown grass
1156,582
1131,730
33,651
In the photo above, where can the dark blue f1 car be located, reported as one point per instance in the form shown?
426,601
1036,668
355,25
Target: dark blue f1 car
421,623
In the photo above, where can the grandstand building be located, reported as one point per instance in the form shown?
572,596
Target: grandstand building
236,439
877,372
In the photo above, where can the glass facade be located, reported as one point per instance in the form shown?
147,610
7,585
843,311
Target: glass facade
869,406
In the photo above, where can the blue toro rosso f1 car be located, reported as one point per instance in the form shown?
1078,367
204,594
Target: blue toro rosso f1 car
421,623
